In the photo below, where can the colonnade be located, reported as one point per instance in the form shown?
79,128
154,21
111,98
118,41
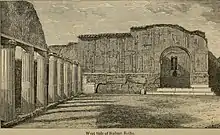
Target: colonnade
58,78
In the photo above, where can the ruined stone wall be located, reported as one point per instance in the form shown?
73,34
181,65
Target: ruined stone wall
129,60
109,61
214,73
152,41
108,53
67,51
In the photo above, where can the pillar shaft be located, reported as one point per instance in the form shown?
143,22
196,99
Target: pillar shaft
52,91
41,80
74,79
60,88
70,79
65,76
79,79
7,85
27,92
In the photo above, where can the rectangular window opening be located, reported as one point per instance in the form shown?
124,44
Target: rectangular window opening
174,63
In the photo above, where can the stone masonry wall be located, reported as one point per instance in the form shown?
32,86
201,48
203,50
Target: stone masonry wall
152,41
137,55
67,51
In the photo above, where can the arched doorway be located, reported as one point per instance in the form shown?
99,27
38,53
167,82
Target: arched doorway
175,68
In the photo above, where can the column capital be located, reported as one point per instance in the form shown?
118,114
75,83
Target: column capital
9,43
75,62
52,57
42,53
53,54
28,49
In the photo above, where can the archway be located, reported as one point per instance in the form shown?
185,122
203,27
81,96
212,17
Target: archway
175,68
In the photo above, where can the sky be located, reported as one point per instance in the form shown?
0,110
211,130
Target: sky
63,21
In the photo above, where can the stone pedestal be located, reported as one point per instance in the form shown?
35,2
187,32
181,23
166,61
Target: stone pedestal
142,91
60,88
88,88
7,81
52,91
41,81
27,92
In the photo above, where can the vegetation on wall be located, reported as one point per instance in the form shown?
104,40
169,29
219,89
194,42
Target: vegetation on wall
214,73
19,20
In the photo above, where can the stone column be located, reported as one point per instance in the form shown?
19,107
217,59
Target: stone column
41,80
52,91
70,79
60,89
79,79
27,92
74,79
65,76
7,81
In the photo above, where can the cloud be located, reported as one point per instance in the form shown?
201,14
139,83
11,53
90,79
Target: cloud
167,7
211,15
64,21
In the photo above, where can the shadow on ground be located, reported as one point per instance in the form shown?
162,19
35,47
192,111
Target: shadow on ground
114,115
90,102
63,119
163,103
65,111
120,116
82,105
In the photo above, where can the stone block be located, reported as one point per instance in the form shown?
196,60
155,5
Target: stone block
89,88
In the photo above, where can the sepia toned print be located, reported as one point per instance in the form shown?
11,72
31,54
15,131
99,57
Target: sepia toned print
110,64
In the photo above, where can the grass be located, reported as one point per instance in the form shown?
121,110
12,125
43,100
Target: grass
132,111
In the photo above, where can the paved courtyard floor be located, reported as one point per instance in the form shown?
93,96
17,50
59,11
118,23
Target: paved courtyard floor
131,111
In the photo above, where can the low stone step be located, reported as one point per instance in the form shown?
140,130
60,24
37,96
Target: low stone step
180,93
189,90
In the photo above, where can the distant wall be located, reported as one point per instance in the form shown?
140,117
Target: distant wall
19,20
138,55
68,51
214,73
113,53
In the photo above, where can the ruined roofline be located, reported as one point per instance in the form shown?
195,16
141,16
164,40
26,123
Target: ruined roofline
113,35
212,57
69,44
55,45
196,32
109,35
